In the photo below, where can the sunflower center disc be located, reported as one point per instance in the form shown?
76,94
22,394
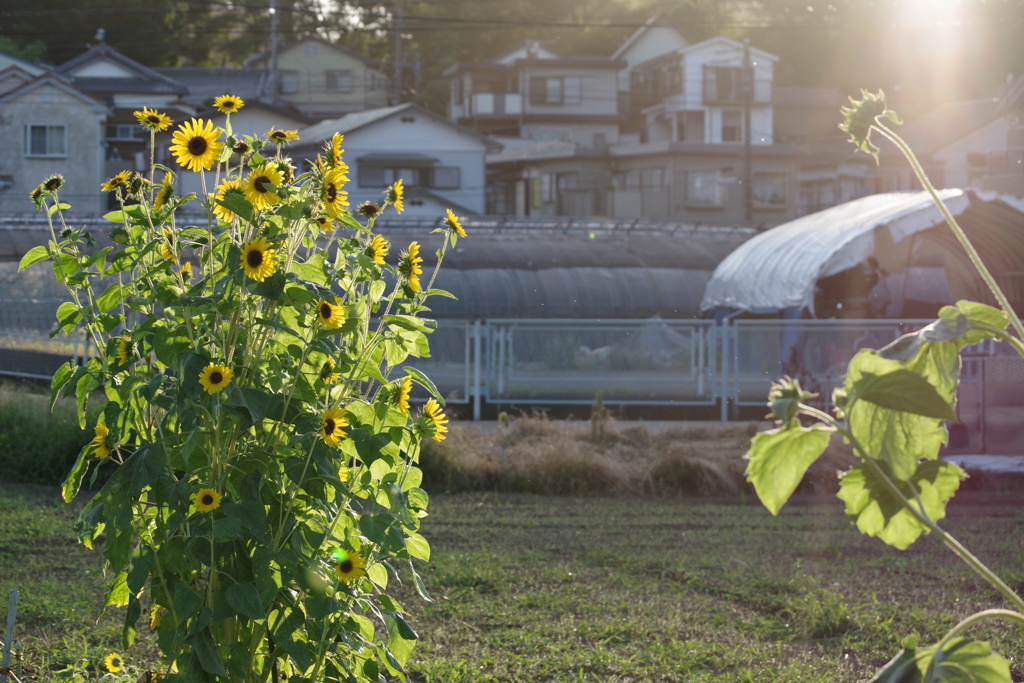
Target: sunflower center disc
254,258
258,183
325,311
197,146
207,499
332,193
216,377
328,426
345,566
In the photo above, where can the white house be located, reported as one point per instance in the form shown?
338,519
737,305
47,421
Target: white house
440,162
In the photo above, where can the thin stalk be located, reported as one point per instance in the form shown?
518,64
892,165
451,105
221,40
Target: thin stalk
972,253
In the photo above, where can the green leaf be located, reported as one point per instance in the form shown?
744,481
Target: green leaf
206,649
896,438
401,637
961,660
169,343
110,297
245,600
117,591
903,390
347,219
127,482
312,270
67,315
131,618
73,482
87,383
952,324
140,565
418,547
877,512
409,322
34,255
289,632
778,460
255,401
424,381
980,314
186,602
439,292
939,363
238,204
60,379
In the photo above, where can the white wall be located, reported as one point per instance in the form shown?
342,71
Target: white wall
598,92
990,138
654,42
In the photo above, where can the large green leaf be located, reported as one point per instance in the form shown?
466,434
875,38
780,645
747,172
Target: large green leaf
903,390
312,270
876,511
110,297
122,489
245,600
980,314
896,438
401,637
87,383
34,255
73,482
778,460
962,660
939,364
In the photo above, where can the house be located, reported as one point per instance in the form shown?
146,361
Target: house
126,86
440,162
654,39
49,127
322,79
534,93
688,159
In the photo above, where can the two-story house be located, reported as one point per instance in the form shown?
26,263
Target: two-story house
690,158
322,79
49,127
534,93
440,162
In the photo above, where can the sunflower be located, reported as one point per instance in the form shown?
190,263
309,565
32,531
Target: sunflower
207,500
258,186
124,349
195,144
113,662
350,566
324,222
335,151
403,389
378,249
331,426
99,444
330,315
165,194
54,182
334,198
228,104
186,270
410,266
327,373
395,196
121,180
241,148
258,259
452,221
214,378
279,137
432,422
227,187
369,209
151,119
343,474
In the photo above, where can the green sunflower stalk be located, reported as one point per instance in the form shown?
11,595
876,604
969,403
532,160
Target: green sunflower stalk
250,372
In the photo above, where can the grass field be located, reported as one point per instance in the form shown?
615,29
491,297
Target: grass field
540,588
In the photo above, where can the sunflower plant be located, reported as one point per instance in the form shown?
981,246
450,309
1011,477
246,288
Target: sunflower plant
252,371
892,410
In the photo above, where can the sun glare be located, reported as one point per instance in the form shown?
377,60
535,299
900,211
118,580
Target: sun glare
931,12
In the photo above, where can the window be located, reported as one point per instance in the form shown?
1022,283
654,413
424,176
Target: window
338,81
704,188
732,125
289,81
726,83
769,190
446,177
126,132
383,176
46,140
545,90
691,126
572,90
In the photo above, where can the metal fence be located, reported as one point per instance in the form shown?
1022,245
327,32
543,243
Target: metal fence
639,362
630,362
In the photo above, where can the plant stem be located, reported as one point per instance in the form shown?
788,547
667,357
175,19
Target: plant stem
972,253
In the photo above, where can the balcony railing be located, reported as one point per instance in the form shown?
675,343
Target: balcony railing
496,104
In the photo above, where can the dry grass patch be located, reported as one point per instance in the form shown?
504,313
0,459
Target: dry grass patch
533,454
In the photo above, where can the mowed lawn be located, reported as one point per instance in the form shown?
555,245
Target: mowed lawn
533,588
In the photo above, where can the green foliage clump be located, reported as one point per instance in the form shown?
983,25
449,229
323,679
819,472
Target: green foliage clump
254,410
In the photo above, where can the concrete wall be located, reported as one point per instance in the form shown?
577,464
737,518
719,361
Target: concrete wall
82,163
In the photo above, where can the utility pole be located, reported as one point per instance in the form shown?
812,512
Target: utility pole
747,86
273,51
398,55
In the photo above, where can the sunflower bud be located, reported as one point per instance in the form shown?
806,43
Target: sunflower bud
862,115
785,397
241,148
53,183
369,209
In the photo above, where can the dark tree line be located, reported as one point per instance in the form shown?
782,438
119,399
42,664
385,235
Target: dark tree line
904,45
